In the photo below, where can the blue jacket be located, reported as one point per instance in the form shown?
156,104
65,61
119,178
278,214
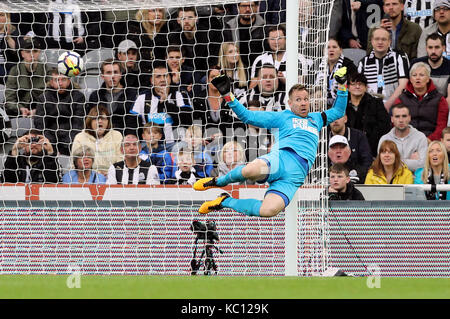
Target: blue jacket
71,177
162,160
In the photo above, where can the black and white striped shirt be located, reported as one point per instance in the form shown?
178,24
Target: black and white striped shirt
144,174
272,102
267,58
383,74
420,12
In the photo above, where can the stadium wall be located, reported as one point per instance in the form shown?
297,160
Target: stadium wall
106,237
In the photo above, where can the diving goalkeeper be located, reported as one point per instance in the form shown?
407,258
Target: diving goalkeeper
286,166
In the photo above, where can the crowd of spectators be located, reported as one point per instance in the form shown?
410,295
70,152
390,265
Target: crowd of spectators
156,118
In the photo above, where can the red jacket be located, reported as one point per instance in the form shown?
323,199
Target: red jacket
429,113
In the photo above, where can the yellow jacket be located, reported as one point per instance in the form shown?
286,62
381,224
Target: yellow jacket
107,149
402,176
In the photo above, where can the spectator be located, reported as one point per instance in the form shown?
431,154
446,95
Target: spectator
26,80
8,45
193,142
365,112
150,33
386,70
428,108
127,54
405,34
419,11
341,188
5,130
181,75
357,141
230,62
69,28
83,160
60,112
274,11
354,30
446,139
163,105
247,31
155,152
114,26
213,112
132,170
268,91
440,66
339,152
231,156
200,45
32,160
276,55
388,168
113,94
334,62
435,171
101,138
411,143
441,14
186,173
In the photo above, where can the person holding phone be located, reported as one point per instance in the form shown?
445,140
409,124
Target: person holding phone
32,160
404,33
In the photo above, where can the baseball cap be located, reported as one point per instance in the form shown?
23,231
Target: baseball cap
27,43
441,3
126,45
338,139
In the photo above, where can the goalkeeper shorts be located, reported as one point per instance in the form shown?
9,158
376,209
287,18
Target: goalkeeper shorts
287,172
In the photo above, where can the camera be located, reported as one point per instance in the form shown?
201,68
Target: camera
34,139
386,17
206,230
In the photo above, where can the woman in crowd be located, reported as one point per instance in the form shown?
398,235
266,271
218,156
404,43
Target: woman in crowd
428,107
231,156
100,137
334,62
8,45
231,63
83,160
150,32
387,168
436,170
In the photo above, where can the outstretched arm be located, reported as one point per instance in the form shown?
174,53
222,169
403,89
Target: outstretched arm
340,104
255,118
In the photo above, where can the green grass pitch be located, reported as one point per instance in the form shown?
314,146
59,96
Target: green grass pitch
201,287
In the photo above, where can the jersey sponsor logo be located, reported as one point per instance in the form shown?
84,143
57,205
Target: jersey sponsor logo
160,118
303,125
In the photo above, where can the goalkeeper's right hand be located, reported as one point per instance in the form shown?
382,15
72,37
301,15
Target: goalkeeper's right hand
222,84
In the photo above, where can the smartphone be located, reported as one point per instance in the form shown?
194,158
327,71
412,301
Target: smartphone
386,17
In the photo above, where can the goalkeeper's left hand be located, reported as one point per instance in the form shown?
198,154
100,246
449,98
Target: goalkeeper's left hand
341,78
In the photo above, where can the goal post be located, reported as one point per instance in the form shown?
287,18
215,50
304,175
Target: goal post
293,244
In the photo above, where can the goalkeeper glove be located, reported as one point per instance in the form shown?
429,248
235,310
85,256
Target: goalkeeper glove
341,78
222,84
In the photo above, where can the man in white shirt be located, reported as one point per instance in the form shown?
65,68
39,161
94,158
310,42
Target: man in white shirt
132,170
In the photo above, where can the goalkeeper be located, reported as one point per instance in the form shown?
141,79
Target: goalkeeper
286,166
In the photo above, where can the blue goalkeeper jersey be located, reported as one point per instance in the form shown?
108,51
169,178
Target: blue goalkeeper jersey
301,134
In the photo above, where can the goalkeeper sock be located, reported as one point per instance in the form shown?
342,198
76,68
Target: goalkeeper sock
233,176
249,207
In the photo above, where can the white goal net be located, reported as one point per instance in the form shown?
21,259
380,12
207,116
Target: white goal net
97,169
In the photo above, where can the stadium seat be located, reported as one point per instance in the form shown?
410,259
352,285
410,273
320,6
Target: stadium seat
354,54
89,83
20,126
50,57
93,60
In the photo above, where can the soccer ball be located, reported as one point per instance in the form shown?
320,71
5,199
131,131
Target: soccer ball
70,63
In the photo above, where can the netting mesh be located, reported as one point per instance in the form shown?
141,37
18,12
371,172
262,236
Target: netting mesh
160,59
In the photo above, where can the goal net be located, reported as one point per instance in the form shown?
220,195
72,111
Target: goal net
71,192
